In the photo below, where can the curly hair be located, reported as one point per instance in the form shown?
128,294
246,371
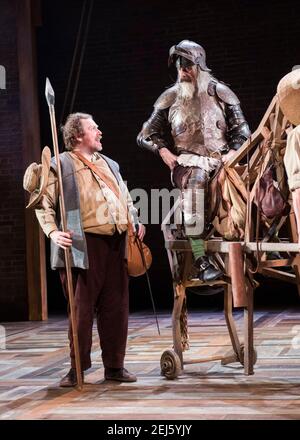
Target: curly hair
73,128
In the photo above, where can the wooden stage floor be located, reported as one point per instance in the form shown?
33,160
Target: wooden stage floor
36,357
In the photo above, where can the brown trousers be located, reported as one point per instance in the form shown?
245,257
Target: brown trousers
101,289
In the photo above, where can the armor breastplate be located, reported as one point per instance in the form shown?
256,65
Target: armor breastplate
198,127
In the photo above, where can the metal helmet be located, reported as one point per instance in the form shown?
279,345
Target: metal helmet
191,51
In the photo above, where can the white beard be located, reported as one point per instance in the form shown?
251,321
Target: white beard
186,91
182,108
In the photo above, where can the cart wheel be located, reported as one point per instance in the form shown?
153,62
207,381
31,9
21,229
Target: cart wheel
243,354
170,364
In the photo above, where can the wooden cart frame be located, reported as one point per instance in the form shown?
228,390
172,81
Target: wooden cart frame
266,145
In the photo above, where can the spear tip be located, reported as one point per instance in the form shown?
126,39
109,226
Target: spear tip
49,93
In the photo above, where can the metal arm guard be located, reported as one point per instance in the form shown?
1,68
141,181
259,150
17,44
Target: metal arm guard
238,129
155,133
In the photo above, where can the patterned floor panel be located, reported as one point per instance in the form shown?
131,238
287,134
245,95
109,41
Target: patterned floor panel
34,356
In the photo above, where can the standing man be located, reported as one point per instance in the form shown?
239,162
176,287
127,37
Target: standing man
97,223
196,125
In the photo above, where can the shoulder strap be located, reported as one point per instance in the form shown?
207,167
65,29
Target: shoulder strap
96,170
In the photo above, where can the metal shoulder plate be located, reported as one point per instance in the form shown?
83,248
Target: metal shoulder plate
226,94
167,98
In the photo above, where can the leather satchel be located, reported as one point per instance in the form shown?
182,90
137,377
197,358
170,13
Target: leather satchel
139,258
269,199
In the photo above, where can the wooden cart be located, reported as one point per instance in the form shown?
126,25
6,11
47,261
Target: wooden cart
265,146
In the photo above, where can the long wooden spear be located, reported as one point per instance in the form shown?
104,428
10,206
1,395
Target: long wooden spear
50,97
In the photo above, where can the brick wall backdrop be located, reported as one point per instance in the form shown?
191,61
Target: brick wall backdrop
250,45
13,285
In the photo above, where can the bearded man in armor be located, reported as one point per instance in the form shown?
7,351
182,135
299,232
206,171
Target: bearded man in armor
196,125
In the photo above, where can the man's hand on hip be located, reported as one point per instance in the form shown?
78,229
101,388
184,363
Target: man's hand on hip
226,157
62,239
169,158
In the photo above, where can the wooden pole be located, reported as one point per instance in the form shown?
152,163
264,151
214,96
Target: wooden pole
50,101
236,264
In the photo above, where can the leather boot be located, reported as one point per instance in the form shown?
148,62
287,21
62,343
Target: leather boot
207,272
70,379
119,374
